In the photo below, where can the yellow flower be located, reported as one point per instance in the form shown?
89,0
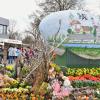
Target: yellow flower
9,67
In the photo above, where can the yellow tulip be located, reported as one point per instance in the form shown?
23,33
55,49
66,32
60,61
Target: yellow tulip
23,97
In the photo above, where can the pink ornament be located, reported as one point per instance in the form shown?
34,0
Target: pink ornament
58,91
56,86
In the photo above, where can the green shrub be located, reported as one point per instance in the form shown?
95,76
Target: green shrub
79,84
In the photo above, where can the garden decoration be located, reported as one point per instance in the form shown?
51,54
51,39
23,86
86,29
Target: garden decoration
58,91
59,84
84,84
75,22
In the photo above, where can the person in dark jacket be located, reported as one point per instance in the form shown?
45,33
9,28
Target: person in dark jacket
1,54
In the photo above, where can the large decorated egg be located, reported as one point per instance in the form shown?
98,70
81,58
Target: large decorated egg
60,24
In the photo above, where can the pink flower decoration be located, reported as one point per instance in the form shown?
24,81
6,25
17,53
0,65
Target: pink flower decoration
56,86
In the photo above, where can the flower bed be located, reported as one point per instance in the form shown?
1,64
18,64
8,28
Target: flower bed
57,86
18,94
83,71
15,93
84,77
12,89
85,81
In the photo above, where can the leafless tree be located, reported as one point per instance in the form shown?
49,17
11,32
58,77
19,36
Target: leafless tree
12,31
12,26
59,5
48,6
33,30
28,39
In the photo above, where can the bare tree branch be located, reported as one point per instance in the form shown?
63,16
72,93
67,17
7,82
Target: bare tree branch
59,5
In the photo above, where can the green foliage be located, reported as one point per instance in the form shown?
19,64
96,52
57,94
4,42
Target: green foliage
58,39
25,71
57,69
24,85
43,88
2,68
50,39
94,32
91,29
63,36
69,31
10,74
84,32
1,65
94,52
79,84
70,72
97,95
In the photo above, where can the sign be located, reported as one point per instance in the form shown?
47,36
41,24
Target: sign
1,43
1,39
59,51
59,24
12,41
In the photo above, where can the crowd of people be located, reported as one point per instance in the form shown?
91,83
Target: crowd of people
14,53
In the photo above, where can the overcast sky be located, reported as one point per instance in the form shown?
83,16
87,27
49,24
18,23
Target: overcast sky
19,10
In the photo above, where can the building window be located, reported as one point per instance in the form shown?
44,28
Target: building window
1,29
5,29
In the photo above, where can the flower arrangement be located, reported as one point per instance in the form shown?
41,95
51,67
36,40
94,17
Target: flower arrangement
56,67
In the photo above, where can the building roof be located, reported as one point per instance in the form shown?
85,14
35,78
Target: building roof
4,21
10,41
82,45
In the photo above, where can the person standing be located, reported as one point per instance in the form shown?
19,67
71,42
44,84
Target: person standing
18,54
10,55
30,53
1,55
15,53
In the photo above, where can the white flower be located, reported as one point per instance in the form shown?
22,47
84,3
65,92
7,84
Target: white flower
49,87
66,81
98,92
